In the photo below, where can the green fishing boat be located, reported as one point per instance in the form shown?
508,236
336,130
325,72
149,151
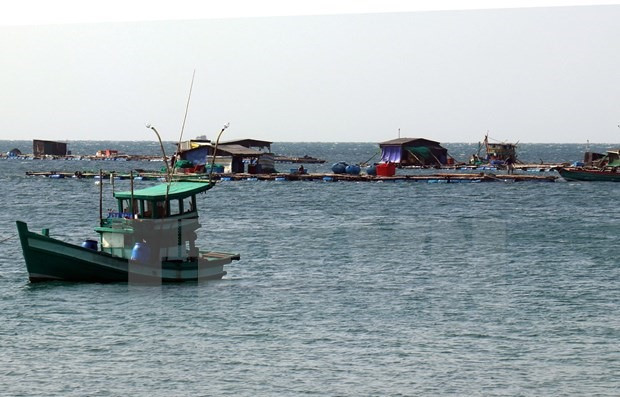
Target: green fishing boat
589,174
605,169
151,237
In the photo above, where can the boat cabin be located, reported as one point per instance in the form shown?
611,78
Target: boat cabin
611,159
500,152
164,217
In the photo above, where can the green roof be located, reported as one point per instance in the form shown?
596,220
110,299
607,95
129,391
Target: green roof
158,193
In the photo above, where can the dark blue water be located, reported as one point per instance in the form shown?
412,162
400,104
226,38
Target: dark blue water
343,289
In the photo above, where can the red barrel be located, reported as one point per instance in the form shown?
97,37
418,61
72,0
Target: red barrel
386,169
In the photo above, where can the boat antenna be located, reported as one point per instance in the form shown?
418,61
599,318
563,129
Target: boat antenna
189,96
161,145
169,177
217,141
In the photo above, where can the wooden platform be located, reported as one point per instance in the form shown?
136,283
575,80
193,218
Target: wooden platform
445,177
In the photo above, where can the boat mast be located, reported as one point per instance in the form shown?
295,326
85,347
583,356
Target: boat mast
185,117
486,143
187,107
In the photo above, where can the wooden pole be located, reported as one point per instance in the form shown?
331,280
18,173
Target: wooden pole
131,184
100,197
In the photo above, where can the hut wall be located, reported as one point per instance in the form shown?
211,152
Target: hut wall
40,148
196,156
266,163
225,161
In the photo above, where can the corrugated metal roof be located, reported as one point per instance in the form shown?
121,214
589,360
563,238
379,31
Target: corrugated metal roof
238,150
248,143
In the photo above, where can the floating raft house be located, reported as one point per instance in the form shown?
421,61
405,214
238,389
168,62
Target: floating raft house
42,148
413,152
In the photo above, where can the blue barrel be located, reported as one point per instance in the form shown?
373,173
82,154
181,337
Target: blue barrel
140,253
339,168
352,169
371,170
90,244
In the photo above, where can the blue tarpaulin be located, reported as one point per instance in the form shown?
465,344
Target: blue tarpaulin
390,154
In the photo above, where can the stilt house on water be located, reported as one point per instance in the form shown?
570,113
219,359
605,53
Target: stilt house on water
231,156
414,152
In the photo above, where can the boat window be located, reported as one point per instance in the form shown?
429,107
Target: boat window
125,208
175,207
148,210
160,211
122,204
188,204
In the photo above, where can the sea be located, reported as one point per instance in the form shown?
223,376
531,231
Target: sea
343,288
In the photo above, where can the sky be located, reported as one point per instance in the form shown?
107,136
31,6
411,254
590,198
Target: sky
339,71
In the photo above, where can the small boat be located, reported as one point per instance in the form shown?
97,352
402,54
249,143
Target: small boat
590,174
151,238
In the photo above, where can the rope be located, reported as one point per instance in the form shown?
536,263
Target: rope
8,238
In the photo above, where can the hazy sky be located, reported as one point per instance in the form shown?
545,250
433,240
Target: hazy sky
525,74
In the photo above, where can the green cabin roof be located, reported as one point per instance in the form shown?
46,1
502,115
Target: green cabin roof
158,193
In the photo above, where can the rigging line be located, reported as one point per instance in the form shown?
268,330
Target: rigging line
373,156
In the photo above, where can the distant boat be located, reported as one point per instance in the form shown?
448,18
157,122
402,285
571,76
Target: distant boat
150,238
589,174
499,153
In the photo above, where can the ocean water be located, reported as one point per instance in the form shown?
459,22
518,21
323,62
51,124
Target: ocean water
343,289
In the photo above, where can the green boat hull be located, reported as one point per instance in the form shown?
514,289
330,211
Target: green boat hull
580,174
51,259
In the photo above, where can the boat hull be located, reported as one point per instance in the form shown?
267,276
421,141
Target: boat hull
51,259
582,174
